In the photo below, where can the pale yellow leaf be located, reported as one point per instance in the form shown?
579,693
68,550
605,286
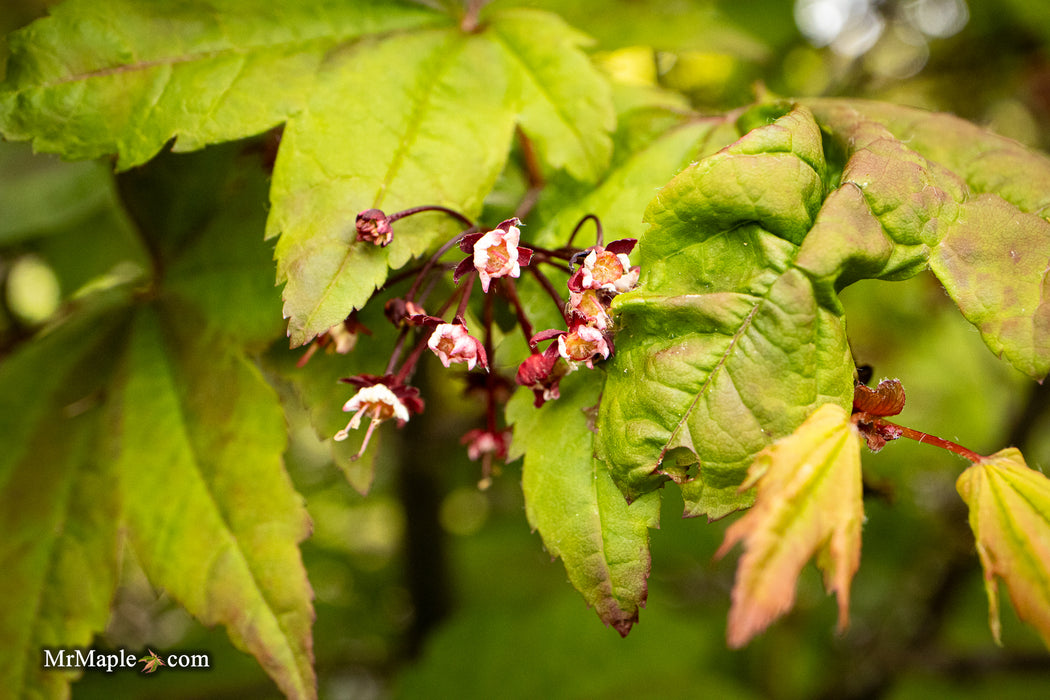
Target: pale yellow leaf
808,503
1010,517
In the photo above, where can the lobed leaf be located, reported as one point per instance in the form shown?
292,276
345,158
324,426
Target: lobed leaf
60,510
725,346
967,203
124,77
448,109
1009,506
449,103
577,509
210,509
809,502
566,104
201,214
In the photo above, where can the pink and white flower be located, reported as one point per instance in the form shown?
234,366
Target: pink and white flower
452,343
590,306
487,445
494,254
541,373
607,268
582,344
381,398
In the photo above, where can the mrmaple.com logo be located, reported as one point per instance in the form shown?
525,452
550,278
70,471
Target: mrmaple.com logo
109,661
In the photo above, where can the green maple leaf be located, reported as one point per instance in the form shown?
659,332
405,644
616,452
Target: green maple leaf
921,189
1009,506
122,78
152,662
59,510
577,509
149,424
725,345
449,101
736,334
808,503
214,519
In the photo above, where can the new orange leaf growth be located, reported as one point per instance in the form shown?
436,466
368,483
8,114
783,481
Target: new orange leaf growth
1010,517
808,503
887,399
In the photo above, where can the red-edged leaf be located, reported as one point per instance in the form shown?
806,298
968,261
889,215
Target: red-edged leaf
808,503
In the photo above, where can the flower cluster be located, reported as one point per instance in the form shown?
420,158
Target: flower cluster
496,258
605,272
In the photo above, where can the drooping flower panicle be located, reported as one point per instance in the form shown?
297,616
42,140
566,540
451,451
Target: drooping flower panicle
596,275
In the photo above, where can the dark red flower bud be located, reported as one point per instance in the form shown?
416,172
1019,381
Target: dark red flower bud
373,226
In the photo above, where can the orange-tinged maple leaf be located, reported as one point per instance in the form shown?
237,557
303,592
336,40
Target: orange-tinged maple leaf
152,662
1010,517
808,503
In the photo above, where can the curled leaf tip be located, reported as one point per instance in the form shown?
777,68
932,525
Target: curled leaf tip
887,399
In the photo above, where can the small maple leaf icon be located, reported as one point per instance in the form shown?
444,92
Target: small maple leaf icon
152,662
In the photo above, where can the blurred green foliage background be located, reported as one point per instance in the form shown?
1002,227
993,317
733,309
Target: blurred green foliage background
440,590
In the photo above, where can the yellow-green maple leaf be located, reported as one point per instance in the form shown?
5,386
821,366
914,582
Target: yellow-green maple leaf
808,503
1010,517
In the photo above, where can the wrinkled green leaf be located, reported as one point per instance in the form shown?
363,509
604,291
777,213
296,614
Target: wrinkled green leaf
995,264
577,509
210,509
724,347
125,77
808,503
59,505
969,204
1010,517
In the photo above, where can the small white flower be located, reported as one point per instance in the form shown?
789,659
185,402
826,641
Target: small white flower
377,400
